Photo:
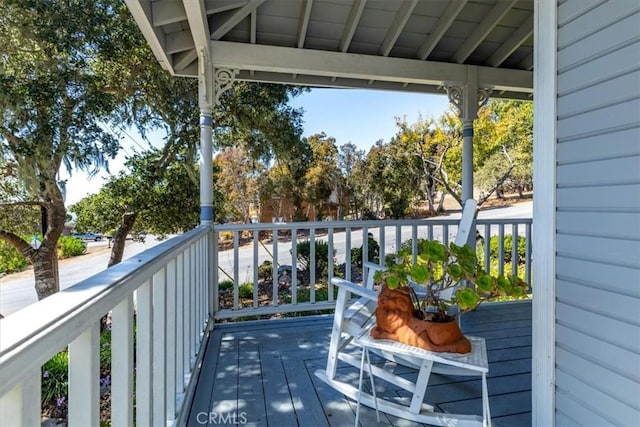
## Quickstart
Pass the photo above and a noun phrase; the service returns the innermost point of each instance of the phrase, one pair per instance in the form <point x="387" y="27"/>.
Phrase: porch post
<point x="205" y="101"/>
<point x="468" y="99"/>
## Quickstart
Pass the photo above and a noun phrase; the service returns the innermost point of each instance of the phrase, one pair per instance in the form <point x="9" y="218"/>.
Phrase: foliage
<point x="238" y="180"/>
<point x="508" y="248"/>
<point x="58" y="61"/>
<point x="55" y="378"/>
<point x="245" y="290"/>
<point x="69" y="246"/>
<point x="225" y="284"/>
<point x="373" y="251"/>
<point x="323" y="177"/>
<point x="11" y="261"/>
<point x="440" y="268"/>
<point x="265" y="271"/>
<point x="322" y="254"/>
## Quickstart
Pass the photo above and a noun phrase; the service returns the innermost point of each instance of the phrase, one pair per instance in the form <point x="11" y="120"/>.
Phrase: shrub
<point x="246" y="290"/>
<point x="265" y="271"/>
<point x="69" y="246"/>
<point x="373" y="252"/>
<point x="225" y="284"/>
<point x="304" y="254"/>
<point x="522" y="246"/>
<point x="11" y="261"/>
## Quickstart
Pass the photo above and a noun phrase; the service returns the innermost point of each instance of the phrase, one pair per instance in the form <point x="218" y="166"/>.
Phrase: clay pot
<point x="395" y="320"/>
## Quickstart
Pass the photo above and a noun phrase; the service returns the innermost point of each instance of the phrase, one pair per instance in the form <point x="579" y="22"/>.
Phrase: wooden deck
<point x="262" y="374"/>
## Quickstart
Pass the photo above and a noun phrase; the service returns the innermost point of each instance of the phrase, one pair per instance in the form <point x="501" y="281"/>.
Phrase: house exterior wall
<point x="597" y="329"/>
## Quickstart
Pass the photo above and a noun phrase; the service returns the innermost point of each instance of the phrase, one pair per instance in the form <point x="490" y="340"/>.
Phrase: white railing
<point x="272" y="242"/>
<point x="163" y="302"/>
<point x="154" y="351"/>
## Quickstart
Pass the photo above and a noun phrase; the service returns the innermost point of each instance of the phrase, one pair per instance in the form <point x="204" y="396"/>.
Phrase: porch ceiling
<point x="402" y="45"/>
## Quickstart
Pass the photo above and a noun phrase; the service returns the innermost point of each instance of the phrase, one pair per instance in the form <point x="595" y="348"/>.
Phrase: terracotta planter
<point x="395" y="321"/>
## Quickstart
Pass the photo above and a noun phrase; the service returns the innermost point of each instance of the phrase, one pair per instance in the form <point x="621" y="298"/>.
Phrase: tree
<point x="349" y="159"/>
<point x="54" y="107"/>
<point x="505" y="146"/>
<point x="323" y="176"/>
<point x="238" y="180"/>
<point x="136" y="200"/>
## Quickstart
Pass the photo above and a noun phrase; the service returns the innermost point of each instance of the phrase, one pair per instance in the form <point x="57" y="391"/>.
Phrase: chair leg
<point x="373" y="386"/>
<point x="362" y="356"/>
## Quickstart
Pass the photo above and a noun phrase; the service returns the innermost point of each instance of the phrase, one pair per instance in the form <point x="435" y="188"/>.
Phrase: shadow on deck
<point x="261" y="374"/>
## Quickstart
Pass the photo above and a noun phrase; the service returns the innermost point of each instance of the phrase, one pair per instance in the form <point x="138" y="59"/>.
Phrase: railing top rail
<point x="359" y="224"/>
<point x="32" y="335"/>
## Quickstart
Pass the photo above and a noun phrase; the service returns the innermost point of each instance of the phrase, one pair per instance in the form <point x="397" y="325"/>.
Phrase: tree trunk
<point x="120" y="238"/>
<point x="45" y="269"/>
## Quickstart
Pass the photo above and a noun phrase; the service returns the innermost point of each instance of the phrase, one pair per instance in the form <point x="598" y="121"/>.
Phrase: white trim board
<point x="544" y="213"/>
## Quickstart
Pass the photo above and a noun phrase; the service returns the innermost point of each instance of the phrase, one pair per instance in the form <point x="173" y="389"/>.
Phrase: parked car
<point x="88" y="236"/>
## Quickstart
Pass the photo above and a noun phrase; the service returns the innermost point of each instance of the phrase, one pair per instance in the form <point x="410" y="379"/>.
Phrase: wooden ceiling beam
<point x="304" y="23"/>
<point x="483" y="29"/>
<point x="235" y="19"/>
<point x="515" y="40"/>
<point x="397" y="26"/>
<point x="276" y="59"/>
<point x="352" y="24"/>
<point x="442" y="25"/>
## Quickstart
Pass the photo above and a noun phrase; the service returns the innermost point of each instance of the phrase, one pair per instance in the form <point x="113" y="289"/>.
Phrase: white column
<point x="206" y="166"/>
<point x="469" y="114"/>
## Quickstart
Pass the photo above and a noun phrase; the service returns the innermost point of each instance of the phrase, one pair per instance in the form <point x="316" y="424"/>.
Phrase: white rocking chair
<point x="352" y="322"/>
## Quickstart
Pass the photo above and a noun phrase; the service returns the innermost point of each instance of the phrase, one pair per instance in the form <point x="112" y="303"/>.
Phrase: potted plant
<point x="450" y="282"/>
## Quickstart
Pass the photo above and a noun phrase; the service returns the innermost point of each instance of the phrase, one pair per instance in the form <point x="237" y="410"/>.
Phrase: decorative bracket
<point x="224" y="79"/>
<point x="456" y="96"/>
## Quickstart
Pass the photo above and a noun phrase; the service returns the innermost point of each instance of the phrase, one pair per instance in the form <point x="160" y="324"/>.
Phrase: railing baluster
<point x="171" y="342"/>
<point x="214" y="273"/>
<point x="347" y="253"/>
<point x="487" y="248"/>
<point x="312" y="265"/>
<point x="84" y="378"/>
<point x="236" y="271"/>
<point x="21" y="405"/>
<point x="180" y="347"/>
<point x="514" y="249"/>
<point x="159" y="348"/>
<point x="193" y="308"/>
<point x="445" y="234"/>
<point x="122" y="363"/>
<point x="274" y="279"/>
<point x="414" y="243"/>
<point x="256" y="267"/>
<point x="382" y="244"/>
<point x="144" y="361"/>
<point x="330" y="269"/>
<point x="365" y="244"/>
<point x="294" y="266"/>
<point x="501" y="249"/>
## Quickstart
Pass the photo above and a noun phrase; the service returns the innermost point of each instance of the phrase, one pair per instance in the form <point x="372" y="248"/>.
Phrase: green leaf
<point x="420" y="273"/>
<point x="484" y="283"/>
<point x="466" y="298"/>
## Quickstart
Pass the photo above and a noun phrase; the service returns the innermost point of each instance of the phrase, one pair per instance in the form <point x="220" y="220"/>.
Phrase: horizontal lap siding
<point x="598" y="213"/>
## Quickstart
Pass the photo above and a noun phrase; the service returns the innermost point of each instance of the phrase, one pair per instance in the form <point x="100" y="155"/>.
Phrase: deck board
<point x="261" y="374"/>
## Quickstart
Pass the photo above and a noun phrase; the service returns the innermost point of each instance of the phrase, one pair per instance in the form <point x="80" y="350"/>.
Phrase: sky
<point x="349" y="115"/>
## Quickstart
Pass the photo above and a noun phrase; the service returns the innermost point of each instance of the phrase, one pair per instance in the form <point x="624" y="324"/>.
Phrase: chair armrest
<point x="345" y="285"/>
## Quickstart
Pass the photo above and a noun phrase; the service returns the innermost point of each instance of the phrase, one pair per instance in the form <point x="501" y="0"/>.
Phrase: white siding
<point x="598" y="213"/>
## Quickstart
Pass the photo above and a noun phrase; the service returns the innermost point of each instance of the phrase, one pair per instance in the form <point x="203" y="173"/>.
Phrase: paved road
<point x="17" y="290"/>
